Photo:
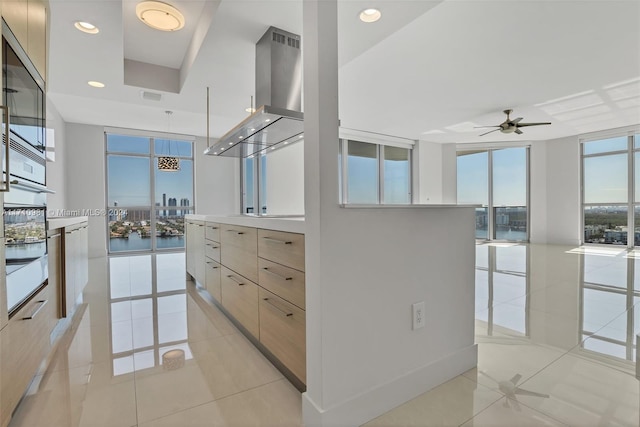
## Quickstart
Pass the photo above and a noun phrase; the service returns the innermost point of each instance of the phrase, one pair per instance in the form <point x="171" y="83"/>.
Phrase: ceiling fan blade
<point x="516" y="121"/>
<point x="495" y="130"/>
<point x="520" y="125"/>
<point x="478" y="127"/>
<point x="518" y="131"/>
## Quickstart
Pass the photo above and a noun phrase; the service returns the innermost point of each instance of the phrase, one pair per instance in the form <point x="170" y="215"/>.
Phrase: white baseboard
<point x="375" y="402"/>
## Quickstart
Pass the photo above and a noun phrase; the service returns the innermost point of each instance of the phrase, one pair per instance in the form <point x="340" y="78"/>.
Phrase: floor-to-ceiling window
<point x="145" y="204"/>
<point x="497" y="179"/>
<point x="611" y="190"/>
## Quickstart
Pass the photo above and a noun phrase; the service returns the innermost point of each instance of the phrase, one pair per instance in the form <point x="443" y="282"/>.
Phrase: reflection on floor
<point x="555" y="327"/>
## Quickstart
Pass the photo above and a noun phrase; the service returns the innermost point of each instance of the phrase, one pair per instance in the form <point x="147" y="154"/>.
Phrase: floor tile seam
<point x="493" y="402"/>
<point x="521" y="404"/>
<point x="207" y="402"/>
<point x="574" y="351"/>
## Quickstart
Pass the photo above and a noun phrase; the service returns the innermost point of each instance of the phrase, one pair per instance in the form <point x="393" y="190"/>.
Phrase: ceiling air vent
<point x="150" y="96"/>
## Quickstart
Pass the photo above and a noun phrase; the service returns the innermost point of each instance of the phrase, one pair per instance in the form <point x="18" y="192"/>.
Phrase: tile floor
<point x="555" y="326"/>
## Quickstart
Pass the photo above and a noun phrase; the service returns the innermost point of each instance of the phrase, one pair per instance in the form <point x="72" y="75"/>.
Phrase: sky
<point x="129" y="176"/>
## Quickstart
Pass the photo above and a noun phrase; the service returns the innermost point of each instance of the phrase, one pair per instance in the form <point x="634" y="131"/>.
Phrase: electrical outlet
<point x="418" y="315"/>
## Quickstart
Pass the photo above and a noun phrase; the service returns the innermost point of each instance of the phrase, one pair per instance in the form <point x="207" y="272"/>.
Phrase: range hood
<point x="278" y="121"/>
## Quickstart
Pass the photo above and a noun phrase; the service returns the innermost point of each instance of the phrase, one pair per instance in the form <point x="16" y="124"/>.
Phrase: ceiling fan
<point x="511" y="126"/>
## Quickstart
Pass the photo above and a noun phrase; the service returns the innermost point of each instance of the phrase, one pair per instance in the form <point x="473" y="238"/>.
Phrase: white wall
<point x="563" y="191"/>
<point x="285" y="180"/>
<point x="85" y="177"/>
<point x="217" y="189"/>
<point x="429" y="166"/>
<point x="365" y="267"/>
<point x="56" y="175"/>
<point x="538" y="192"/>
<point x="449" y="174"/>
<point x="217" y="185"/>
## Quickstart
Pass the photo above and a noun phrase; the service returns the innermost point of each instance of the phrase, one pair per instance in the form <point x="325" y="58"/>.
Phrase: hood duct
<point x="278" y="121"/>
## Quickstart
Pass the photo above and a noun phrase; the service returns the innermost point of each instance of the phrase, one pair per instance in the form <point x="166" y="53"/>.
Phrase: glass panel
<point x="248" y="182"/>
<point x="397" y="177"/>
<point x="263" y="184"/>
<point x="605" y="179"/>
<point x="362" y="170"/>
<point x="636" y="232"/>
<point x="473" y="178"/>
<point x="605" y="145"/>
<point x="605" y="224"/>
<point x="128" y="181"/>
<point x="482" y="223"/>
<point x="129" y="276"/>
<point x="170" y="228"/>
<point x="636" y="177"/>
<point x="127" y="144"/>
<point x="166" y="147"/>
<point x="636" y="141"/>
<point x="130" y="231"/>
<point x="510" y="177"/>
<point x="174" y="189"/>
<point x="511" y="223"/>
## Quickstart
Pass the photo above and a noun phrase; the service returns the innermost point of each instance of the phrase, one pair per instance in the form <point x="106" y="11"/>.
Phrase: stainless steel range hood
<point x="279" y="120"/>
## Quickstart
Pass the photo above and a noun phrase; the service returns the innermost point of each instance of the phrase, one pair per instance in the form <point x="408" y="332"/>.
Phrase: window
<point x="145" y="205"/>
<point x="611" y="190"/>
<point x="497" y="179"/>
<point x="375" y="173"/>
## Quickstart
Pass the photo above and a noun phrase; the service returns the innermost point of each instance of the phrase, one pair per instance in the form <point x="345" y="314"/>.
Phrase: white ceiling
<point x="427" y="70"/>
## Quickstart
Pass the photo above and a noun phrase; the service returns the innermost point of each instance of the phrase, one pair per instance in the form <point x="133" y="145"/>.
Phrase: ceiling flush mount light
<point x="160" y="16"/>
<point x="168" y="163"/>
<point x="94" y="83"/>
<point x="370" y="15"/>
<point x="86" y="27"/>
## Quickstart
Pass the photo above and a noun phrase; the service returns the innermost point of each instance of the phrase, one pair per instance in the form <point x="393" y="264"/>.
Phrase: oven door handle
<point x="7" y="139"/>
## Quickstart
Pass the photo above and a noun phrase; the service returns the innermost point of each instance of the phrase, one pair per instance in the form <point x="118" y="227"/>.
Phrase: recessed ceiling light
<point x="267" y="120"/>
<point x="240" y="137"/>
<point x="250" y="110"/>
<point x="93" y="83"/>
<point x="231" y="143"/>
<point x="300" y="136"/>
<point x="252" y="130"/>
<point x="86" y="27"/>
<point x="221" y="148"/>
<point x="370" y="15"/>
<point x="160" y="16"/>
<point x="286" y="142"/>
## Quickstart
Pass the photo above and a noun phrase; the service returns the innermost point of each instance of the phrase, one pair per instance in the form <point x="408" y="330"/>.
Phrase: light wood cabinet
<point x="212" y="279"/>
<point x="239" y="250"/>
<point x="27" y="20"/>
<point x="212" y="231"/>
<point x="212" y="250"/>
<point x="24" y="343"/>
<point x="282" y="247"/>
<point x="282" y="332"/>
<point x="240" y="299"/>
<point x="283" y="281"/>
<point x="76" y="264"/>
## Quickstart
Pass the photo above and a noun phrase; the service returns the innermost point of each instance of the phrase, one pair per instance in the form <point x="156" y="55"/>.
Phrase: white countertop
<point x="65" y="221"/>
<point x="290" y="224"/>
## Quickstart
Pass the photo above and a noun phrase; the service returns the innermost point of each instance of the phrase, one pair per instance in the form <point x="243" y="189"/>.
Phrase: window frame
<point x="631" y="204"/>
<point x="490" y="206"/>
<point x="153" y="159"/>
<point x="344" y="169"/>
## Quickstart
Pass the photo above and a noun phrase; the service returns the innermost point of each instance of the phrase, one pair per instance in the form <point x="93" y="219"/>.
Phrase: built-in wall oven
<point x="24" y="174"/>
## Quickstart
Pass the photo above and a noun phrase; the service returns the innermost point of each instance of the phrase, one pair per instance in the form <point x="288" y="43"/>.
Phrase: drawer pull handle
<point x="276" y="274"/>
<point x="236" y="231"/>
<point x="282" y="242"/>
<point x="210" y="262"/>
<point x="235" y="280"/>
<point x="33" y="315"/>
<point x="199" y="225"/>
<point x="286" y="313"/>
<point x="214" y="247"/>
<point x="213" y="228"/>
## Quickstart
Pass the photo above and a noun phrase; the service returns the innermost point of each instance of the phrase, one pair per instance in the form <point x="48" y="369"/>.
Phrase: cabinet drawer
<point x="212" y="231"/>
<point x="25" y="343"/>
<point x="240" y="261"/>
<point x="282" y="247"/>
<point x="282" y="332"/>
<point x="212" y="278"/>
<point x="212" y="250"/>
<point x="241" y="237"/>
<point x="285" y="282"/>
<point x="240" y="298"/>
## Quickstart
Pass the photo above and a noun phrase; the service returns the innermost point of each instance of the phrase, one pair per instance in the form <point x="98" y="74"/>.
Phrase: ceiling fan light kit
<point x="511" y="126"/>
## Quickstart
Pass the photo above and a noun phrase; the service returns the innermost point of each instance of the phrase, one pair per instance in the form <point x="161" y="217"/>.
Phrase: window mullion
<point x="490" y="213"/>
<point x="380" y="174"/>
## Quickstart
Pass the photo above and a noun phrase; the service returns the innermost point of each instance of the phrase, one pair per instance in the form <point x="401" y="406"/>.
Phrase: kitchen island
<point x="253" y="269"/>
